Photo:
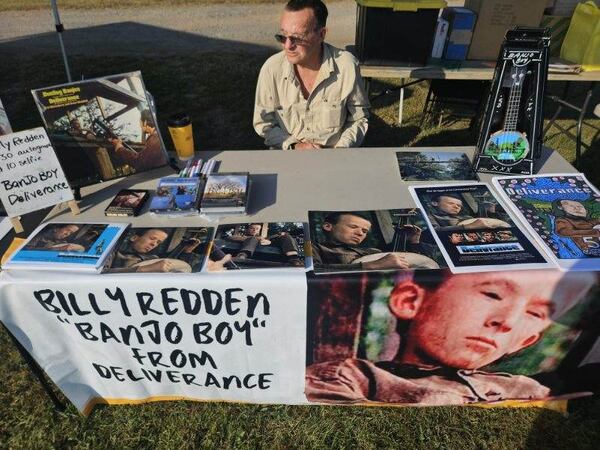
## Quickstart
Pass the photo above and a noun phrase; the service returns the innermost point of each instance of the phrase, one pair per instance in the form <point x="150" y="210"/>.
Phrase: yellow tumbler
<point x="180" y="127"/>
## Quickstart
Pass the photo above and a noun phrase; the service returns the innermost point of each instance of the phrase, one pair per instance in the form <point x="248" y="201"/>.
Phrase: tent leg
<point x="59" y="29"/>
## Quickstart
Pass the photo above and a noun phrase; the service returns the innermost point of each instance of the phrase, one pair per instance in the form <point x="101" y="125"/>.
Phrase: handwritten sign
<point x="220" y="337"/>
<point x="31" y="176"/>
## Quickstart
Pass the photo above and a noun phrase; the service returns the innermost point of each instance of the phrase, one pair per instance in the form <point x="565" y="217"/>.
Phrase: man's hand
<point x="218" y="266"/>
<point x="191" y="246"/>
<point x="413" y="233"/>
<point x="307" y="146"/>
<point x="264" y="241"/>
<point x="390" y="261"/>
<point x="164" y="265"/>
<point x="482" y="222"/>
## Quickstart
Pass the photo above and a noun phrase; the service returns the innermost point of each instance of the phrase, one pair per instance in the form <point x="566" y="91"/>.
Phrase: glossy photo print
<point x="356" y="241"/>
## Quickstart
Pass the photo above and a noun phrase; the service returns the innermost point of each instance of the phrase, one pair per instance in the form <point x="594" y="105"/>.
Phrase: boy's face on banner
<point x="472" y="320"/>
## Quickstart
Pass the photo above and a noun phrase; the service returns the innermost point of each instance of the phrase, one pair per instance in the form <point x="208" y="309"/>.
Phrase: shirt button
<point x="308" y="128"/>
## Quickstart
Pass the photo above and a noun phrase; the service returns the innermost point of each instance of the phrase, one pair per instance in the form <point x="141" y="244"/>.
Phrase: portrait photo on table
<point x="355" y="241"/>
<point x="475" y="230"/>
<point x="177" y="249"/>
<point x="258" y="245"/>
<point x="437" y="338"/>
<point x="101" y="128"/>
<point x="72" y="237"/>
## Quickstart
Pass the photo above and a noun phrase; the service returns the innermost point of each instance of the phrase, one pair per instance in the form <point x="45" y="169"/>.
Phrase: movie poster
<point x="356" y="241"/>
<point x="562" y="212"/>
<point x="436" y="338"/>
<point x="102" y="128"/>
<point x="474" y="230"/>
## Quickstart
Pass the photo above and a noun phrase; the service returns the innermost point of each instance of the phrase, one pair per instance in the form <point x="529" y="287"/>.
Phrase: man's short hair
<point x="146" y="116"/>
<point x="334" y="217"/>
<point x="432" y="279"/>
<point x="559" y="211"/>
<point x="318" y="7"/>
<point x="436" y="197"/>
<point x="143" y="231"/>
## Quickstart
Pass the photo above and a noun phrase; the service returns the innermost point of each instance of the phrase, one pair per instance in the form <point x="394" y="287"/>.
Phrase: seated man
<point x="445" y="214"/>
<point x="251" y="239"/>
<point x="151" y="156"/>
<point x="140" y="248"/>
<point x="57" y="237"/>
<point x="310" y="95"/>
<point x="450" y="327"/>
<point x="572" y="221"/>
<point x="345" y="232"/>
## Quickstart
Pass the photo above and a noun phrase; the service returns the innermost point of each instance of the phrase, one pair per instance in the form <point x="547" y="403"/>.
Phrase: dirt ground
<point x="155" y="30"/>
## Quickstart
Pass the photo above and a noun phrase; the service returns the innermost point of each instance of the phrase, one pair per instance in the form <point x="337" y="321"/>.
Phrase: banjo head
<point x="415" y="260"/>
<point x="179" y="266"/>
<point x="494" y="223"/>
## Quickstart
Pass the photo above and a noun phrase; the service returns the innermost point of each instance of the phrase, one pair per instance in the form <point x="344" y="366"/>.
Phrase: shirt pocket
<point x="286" y="118"/>
<point x="332" y="114"/>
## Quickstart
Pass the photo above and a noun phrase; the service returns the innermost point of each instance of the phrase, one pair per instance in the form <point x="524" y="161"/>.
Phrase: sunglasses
<point x="281" y="38"/>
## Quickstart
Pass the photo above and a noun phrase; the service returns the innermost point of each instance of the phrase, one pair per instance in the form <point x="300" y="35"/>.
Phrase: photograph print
<point x="258" y="245"/>
<point x="102" y="128"/>
<point x="355" y="241"/>
<point x="161" y="250"/>
<point x="423" y="166"/>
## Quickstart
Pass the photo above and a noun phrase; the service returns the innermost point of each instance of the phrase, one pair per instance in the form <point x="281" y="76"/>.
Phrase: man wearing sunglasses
<point x="310" y="95"/>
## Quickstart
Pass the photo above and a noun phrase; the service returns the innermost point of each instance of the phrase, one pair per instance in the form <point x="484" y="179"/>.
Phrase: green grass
<point x="222" y="110"/>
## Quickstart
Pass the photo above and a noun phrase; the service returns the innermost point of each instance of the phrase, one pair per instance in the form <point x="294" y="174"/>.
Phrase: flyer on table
<point x="474" y="230"/>
<point x="562" y="212"/>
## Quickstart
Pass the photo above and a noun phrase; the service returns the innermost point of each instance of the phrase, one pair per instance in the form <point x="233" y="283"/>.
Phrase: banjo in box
<point x="511" y="131"/>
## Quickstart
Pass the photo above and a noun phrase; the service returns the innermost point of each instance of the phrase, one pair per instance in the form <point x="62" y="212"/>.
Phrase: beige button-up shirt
<point x="334" y="115"/>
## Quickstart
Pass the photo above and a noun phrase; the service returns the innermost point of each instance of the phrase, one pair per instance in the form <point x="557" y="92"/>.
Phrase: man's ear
<point x="323" y="33"/>
<point x="531" y="340"/>
<point x="406" y="299"/>
<point x="327" y="226"/>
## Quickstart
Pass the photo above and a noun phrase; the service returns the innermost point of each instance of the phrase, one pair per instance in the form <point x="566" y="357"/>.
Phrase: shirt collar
<point x="326" y="69"/>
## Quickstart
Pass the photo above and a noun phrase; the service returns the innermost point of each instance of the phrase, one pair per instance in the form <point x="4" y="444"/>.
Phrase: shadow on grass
<point x="444" y="137"/>
<point x="213" y="80"/>
<point x="382" y="134"/>
<point x="386" y="93"/>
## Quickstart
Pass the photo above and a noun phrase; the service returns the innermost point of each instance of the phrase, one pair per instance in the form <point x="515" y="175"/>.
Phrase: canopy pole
<point x="59" y="29"/>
